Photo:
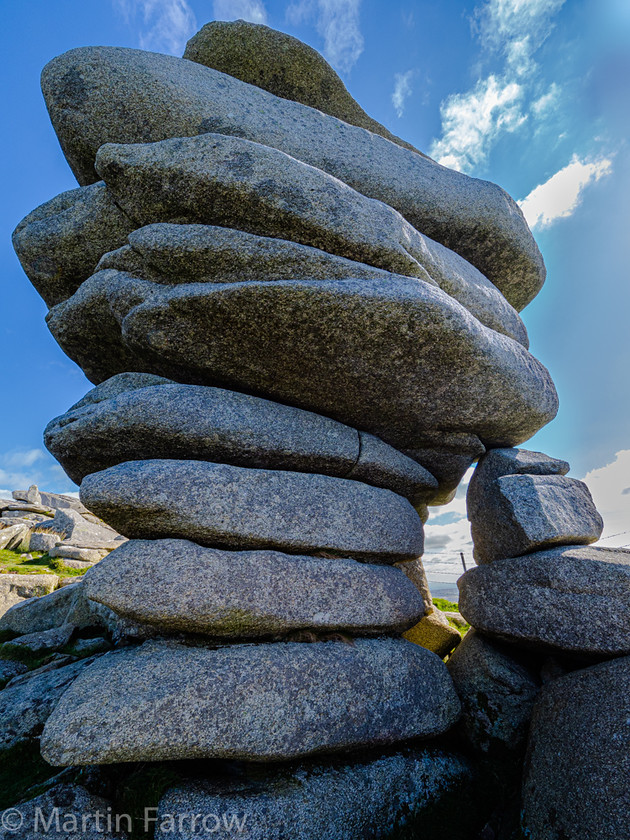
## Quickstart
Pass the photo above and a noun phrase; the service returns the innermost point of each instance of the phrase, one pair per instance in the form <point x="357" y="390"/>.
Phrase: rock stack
<point x="302" y="332"/>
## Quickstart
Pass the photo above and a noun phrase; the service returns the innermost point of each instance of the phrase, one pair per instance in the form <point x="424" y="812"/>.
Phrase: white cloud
<point x="543" y="105"/>
<point x="252" y="10"/>
<point x="517" y="27"/>
<point x="560" y="196"/>
<point x="472" y="122"/>
<point x="164" y="25"/>
<point x="402" y="91"/>
<point x="610" y="488"/>
<point x="337" y="22"/>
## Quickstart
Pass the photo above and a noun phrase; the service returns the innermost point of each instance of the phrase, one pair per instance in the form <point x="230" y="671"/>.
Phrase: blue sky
<point x="532" y="94"/>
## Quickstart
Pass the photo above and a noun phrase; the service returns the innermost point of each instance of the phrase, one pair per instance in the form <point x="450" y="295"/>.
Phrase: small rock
<point x="36" y="644"/>
<point x="434" y="633"/>
<point x="13" y="536"/>
<point x="535" y="512"/>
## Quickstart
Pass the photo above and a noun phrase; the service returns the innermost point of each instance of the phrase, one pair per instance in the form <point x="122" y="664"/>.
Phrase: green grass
<point x="446" y="606"/>
<point x="12" y="564"/>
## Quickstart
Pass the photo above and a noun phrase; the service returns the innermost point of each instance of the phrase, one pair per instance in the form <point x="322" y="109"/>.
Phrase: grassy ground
<point x="445" y="605"/>
<point x="41" y="564"/>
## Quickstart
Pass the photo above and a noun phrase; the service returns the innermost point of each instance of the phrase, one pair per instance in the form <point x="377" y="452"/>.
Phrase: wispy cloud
<point x="402" y="91"/>
<point x="251" y="10"/>
<point x="544" y="103"/>
<point x="21" y="468"/>
<point x="561" y="195"/>
<point x="163" y="25"/>
<point x="337" y="22"/>
<point x="473" y="121"/>
<point x="610" y="488"/>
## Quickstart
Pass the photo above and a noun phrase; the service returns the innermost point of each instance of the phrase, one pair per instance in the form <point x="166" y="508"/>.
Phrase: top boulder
<point x="98" y="95"/>
<point x="283" y="65"/>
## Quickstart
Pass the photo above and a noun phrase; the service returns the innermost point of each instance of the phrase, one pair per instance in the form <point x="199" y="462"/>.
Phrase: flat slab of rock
<point x="235" y="507"/>
<point x="251" y="702"/>
<point x="497" y="692"/>
<point x="570" y="599"/>
<point x="578" y="764"/>
<point x="447" y="370"/>
<point x="97" y="95"/>
<point x="422" y="790"/>
<point x="69" y="526"/>
<point x="174" y="421"/>
<point x="532" y="512"/>
<point x="234" y="183"/>
<point x="281" y="64"/>
<point x="179" y="586"/>
<point x="38" y="642"/>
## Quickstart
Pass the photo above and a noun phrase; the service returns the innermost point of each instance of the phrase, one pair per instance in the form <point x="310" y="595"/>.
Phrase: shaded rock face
<point x="576" y="779"/>
<point x="178" y="586"/>
<point x="419" y="790"/>
<point x="565" y="599"/>
<point x="167" y="97"/>
<point x="254" y="702"/>
<point x="65" y="810"/>
<point x="282" y="65"/>
<point x="497" y="693"/>
<point x="236" y="508"/>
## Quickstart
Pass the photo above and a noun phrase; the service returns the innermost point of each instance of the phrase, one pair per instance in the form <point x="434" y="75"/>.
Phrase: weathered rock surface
<point x="235" y="507"/>
<point x="578" y="764"/>
<point x="66" y="605"/>
<point x="13" y="536"/>
<point x="167" y="97"/>
<point x="164" y="701"/>
<point x="38" y="643"/>
<point x="176" y="585"/>
<point x="60" y="243"/>
<point x="571" y="599"/>
<point x="24" y="708"/>
<point x="32" y="495"/>
<point x="335" y="355"/>
<point x="434" y="633"/>
<point x="235" y="183"/>
<point x="174" y="421"/>
<point x="497" y="693"/>
<point x="10" y="668"/>
<point x="532" y="512"/>
<point x="70" y="525"/>
<point x="283" y="65"/>
<point x="17" y="588"/>
<point x="424" y="791"/>
<point x="482" y="488"/>
<point x="65" y="810"/>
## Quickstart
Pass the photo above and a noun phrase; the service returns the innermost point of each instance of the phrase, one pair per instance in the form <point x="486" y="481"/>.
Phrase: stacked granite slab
<point x="302" y="332"/>
<point x="547" y="606"/>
